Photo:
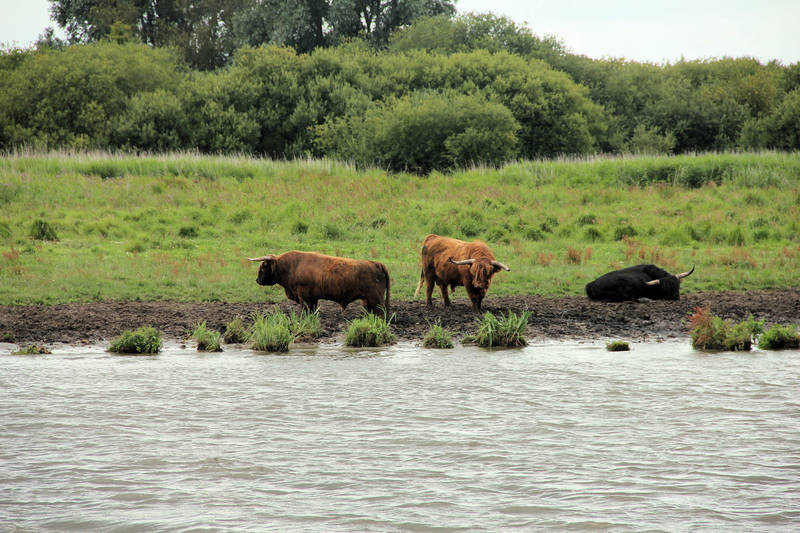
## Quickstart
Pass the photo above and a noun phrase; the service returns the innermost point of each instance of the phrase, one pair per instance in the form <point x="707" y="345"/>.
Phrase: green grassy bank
<point x="181" y="227"/>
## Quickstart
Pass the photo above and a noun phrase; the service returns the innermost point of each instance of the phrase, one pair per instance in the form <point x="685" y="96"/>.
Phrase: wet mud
<point x="573" y="318"/>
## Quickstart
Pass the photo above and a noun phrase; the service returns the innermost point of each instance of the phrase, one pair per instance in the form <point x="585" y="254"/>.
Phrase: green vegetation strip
<point x="86" y="227"/>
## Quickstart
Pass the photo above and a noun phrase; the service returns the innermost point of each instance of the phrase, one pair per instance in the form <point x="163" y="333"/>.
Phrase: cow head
<point x="481" y="269"/>
<point x="668" y="288"/>
<point x="266" y="272"/>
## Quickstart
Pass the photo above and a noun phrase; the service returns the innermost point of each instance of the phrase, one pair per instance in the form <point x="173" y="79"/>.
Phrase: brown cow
<point x="308" y="277"/>
<point x="452" y="262"/>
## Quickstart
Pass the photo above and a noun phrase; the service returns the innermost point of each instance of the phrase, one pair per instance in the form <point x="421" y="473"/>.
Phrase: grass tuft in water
<point x="437" y="337"/>
<point x="305" y="325"/>
<point x="235" y="332"/>
<point x="207" y="340"/>
<point x="710" y="332"/>
<point x="144" y="340"/>
<point x="508" y="331"/>
<point x="270" y="332"/>
<point x="780" y="338"/>
<point x="369" y="330"/>
<point x="32" y="350"/>
<point x="618" y="346"/>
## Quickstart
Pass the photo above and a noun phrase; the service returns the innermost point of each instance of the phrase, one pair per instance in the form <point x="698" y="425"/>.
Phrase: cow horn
<point x="264" y="258"/>
<point x="684" y="274"/>
<point x="498" y="264"/>
<point x="464" y="262"/>
<point x="654" y="282"/>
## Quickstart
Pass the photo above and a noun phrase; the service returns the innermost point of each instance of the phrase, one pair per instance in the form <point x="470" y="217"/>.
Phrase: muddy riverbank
<point x="553" y="318"/>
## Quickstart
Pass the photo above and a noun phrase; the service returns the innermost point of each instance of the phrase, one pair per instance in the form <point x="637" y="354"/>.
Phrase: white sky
<point x="640" y="30"/>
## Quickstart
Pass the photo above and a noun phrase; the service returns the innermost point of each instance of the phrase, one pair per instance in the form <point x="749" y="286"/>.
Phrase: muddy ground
<point x="553" y="318"/>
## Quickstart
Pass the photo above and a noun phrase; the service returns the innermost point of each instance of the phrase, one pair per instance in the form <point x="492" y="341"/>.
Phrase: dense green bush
<point x="779" y="129"/>
<point x="68" y="98"/>
<point x="480" y="88"/>
<point x="424" y="131"/>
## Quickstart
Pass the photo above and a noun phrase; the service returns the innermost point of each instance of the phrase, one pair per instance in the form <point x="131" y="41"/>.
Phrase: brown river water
<point x="556" y="436"/>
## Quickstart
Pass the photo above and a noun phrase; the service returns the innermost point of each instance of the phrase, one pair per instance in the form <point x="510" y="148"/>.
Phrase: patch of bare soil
<point x="552" y="319"/>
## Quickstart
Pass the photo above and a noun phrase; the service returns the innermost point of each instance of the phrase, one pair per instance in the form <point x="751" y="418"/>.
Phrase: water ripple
<point x="553" y="437"/>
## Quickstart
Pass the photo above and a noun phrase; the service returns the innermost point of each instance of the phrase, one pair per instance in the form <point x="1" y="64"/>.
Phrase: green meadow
<point x="85" y="227"/>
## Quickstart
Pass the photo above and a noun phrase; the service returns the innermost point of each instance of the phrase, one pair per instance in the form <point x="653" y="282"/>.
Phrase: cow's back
<point x="436" y="254"/>
<point x="340" y="279"/>
<point x="624" y="284"/>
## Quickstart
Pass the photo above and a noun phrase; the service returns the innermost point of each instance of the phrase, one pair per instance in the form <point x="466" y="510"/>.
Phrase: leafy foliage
<point x="201" y="30"/>
<point x="710" y="332"/>
<point x="309" y="24"/>
<point x="424" y="131"/>
<point x="780" y="337"/>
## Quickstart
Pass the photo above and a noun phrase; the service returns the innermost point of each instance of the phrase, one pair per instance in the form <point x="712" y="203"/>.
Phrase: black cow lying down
<point x="632" y="283"/>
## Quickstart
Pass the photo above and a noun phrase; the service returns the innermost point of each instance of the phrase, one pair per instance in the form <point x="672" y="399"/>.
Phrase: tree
<point x="201" y="29"/>
<point x="308" y="24"/>
<point x="474" y="31"/>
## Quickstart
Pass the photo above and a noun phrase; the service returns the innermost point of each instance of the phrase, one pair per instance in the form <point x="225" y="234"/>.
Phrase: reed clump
<point x="207" y="340"/>
<point x="305" y="325"/>
<point x="506" y="331"/>
<point x="618" y="346"/>
<point x="270" y="332"/>
<point x="369" y="330"/>
<point x="144" y="340"/>
<point x="437" y="337"/>
<point x="712" y="333"/>
<point x="235" y="331"/>
<point x="780" y="337"/>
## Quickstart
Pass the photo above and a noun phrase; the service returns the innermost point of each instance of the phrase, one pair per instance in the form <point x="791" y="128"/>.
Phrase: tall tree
<point x="307" y="24"/>
<point x="201" y="29"/>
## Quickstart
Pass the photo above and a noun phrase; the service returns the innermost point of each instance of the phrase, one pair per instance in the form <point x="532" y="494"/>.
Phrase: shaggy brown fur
<point x="439" y="257"/>
<point x="308" y="277"/>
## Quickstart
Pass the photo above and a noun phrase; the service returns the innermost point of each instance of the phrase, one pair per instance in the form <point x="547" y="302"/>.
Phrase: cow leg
<point x="476" y="299"/>
<point x="445" y="296"/>
<point x="429" y="291"/>
<point x="292" y="296"/>
<point x="310" y="305"/>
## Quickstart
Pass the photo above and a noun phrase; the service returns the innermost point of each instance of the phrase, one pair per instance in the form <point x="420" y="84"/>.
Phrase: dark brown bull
<point x="308" y="277"/>
<point x="456" y="263"/>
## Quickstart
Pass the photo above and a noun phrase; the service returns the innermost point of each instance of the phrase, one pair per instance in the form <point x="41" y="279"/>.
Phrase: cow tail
<point x="419" y="285"/>
<point x="386" y="302"/>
